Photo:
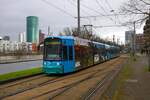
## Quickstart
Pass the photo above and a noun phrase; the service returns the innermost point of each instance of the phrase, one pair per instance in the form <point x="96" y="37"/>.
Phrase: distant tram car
<point x="65" y="54"/>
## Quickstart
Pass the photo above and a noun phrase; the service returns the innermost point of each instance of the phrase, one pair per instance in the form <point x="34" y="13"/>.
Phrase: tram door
<point x="68" y="53"/>
<point x="70" y="57"/>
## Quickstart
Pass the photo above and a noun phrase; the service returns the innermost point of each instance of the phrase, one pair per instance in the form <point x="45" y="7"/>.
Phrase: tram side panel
<point x="97" y="53"/>
<point x="86" y="56"/>
<point x="83" y="56"/>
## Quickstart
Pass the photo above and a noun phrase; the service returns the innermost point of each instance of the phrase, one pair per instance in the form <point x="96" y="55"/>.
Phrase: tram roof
<point x="61" y="37"/>
<point x="98" y="43"/>
<point x="85" y="40"/>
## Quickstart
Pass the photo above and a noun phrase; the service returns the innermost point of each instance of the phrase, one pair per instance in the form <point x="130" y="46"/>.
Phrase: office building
<point x="129" y="37"/>
<point x="41" y="37"/>
<point x="32" y="29"/>
<point x="6" y="38"/>
<point x="22" y="37"/>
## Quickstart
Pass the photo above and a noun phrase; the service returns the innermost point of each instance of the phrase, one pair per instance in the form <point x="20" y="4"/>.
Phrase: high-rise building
<point x="140" y="40"/>
<point x="1" y="38"/>
<point x="22" y="37"/>
<point x="32" y="29"/>
<point x="6" y="38"/>
<point x="128" y="37"/>
<point x="41" y="36"/>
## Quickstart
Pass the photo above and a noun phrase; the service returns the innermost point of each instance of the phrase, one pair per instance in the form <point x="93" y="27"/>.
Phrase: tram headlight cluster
<point x="57" y="63"/>
<point x="44" y="63"/>
<point x="50" y="63"/>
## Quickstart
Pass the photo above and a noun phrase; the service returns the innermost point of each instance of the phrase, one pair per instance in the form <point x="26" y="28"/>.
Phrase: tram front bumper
<point x="53" y="68"/>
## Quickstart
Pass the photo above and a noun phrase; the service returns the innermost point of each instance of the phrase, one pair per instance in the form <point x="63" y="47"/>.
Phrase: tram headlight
<point x="58" y="63"/>
<point x="44" y="63"/>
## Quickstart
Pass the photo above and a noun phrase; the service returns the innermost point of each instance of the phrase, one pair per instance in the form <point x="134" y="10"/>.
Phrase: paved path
<point x="12" y="67"/>
<point x="138" y="86"/>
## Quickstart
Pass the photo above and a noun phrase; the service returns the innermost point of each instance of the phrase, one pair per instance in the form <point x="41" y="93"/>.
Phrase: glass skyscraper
<point x="32" y="29"/>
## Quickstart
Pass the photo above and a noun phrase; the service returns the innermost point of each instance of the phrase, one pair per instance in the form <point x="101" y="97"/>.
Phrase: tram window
<point x="64" y="52"/>
<point x="70" y="53"/>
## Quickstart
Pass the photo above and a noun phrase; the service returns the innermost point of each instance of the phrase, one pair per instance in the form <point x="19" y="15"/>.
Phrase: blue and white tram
<point x="65" y="54"/>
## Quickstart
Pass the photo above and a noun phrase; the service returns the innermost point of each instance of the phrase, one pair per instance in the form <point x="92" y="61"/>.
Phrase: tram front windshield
<point x="52" y="49"/>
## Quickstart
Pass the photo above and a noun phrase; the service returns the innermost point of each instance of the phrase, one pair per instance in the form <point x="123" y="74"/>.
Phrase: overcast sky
<point x="13" y="15"/>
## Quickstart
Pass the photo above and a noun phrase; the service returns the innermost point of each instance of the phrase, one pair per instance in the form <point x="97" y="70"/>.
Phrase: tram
<point x="65" y="54"/>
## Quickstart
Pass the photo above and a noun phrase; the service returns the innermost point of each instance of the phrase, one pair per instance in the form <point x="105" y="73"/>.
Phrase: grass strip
<point x="124" y="75"/>
<point x="146" y="69"/>
<point x="19" y="74"/>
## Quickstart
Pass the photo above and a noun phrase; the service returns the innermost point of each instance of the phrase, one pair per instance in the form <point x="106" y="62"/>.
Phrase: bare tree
<point x="137" y="8"/>
<point x="60" y="34"/>
<point x="139" y="11"/>
<point x="83" y="34"/>
<point x="67" y="31"/>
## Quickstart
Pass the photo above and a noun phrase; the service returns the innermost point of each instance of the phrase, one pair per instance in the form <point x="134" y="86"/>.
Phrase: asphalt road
<point x="12" y="67"/>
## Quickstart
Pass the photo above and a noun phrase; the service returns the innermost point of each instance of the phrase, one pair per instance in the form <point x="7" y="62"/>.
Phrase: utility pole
<point x="78" y="9"/>
<point x="48" y="30"/>
<point x="148" y="44"/>
<point x="89" y="29"/>
<point x="113" y="39"/>
<point x="149" y="47"/>
<point x="133" y="39"/>
<point x="118" y="40"/>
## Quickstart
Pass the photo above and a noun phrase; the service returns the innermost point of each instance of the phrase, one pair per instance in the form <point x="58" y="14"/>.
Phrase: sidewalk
<point x="133" y="82"/>
<point x="137" y="87"/>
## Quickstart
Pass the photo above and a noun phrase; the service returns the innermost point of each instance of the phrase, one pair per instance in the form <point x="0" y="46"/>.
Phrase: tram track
<point x="96" y="91"/>
<point x="49" y="87"/>
<point x="22" y="86"/>
<point x="99" y="86"/>
<point x="61" y="79"/>
<point x="3" y="86"/>
<point x="64" y="89"/>
<point x="61" y="90"/>
<point x="100" y="76"/>
<point x="67" y="86"/>
<point x="43" y="83"/>
<point x="20" y="81"/>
